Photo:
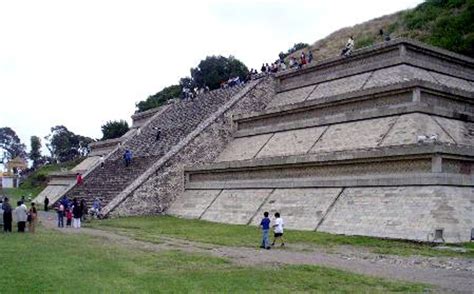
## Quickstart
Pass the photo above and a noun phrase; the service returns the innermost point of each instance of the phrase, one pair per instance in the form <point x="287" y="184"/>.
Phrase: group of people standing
<point x="74" y="211"/>
<point x="280" y="65"/>
<point x="22" y="214"/>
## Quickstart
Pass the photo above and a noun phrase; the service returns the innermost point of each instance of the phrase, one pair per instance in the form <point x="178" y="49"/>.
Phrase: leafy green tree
<point x="187" y="82"/>
<point x="296" y="47"/>
<point x="11" y="144"/>
<point x="210" y="72"/>
<point x="35" y="153"/>
<point x="159" y="98"/>
<point x="64" y="145"/>
<point x="114" y="129"/>
<point x="215" y="69"/>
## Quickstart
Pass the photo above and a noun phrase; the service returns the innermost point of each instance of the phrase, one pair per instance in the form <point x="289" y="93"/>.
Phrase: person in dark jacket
<point x="46" y="203"/>
<point x="127" y="157"/>
<point x="76" y="214"/>
<point x="83" y="209"/>
<point x="7" y="216"/>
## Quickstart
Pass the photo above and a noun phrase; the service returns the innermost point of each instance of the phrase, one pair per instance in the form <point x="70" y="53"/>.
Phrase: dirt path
<point x="449" y="274"/>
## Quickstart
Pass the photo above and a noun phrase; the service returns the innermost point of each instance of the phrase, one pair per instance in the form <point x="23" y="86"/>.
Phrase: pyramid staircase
<point x="176" y="121"/>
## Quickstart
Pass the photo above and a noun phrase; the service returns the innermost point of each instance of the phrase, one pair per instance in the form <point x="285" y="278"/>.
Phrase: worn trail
<point x="457" y="278"/>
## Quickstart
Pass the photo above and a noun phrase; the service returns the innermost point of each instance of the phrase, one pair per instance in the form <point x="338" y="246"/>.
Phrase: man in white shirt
<point x="21" y="213"/>
<point x="278" y="230"/>
<point x="347" y="50"/>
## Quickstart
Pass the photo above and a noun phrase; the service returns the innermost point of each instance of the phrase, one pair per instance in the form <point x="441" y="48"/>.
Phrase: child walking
<point x="265" y="225"/>
<point x="278" y="230"/>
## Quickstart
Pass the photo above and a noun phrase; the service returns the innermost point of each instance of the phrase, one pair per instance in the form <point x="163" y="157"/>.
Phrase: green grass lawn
<point x="151" y="228"/>
<point x="14" y="194"/>
<point x="51" y="261"/>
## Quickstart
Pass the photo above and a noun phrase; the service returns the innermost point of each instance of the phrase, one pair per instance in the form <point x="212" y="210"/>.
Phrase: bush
<point x="159" y="98"/>
<point x="444" y="23"/>
<point x="364" y="42"/>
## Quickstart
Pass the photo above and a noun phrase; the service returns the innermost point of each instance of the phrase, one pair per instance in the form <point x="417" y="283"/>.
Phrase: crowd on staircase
<point x="149" y="143"/>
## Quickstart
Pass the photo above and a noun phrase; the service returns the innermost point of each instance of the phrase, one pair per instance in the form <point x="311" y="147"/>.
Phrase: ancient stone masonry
<point x="175" y="122"/>
<point x="161" y="184"/>
<point x="379" y="144"/>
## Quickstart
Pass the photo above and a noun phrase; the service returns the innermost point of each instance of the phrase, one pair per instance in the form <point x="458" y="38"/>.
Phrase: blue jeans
<point x="60" y="219"/>
<point x="265" y="238"/>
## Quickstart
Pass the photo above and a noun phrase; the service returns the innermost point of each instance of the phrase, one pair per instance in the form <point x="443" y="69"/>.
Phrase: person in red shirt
<point x="68" y="218"/>
<point x="79" y="180"/>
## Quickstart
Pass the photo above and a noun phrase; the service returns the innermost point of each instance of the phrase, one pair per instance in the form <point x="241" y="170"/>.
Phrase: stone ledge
<point x="397" y="51"/>
<point x="362" y="155"/>
<point x="381" y="46"/>
<point x="391" y="110"/>
<point x="417" y="179"/>
<point x="424" y="86"/>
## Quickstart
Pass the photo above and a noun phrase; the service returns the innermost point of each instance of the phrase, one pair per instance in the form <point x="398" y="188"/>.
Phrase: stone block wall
<point x="160" y="189"/>
<point x="403" y="213"/>
<point x="409" y="212"/>
<point x="363" y="134"/>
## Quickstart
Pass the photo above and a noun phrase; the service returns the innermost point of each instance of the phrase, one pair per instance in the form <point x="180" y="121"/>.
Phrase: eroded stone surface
<point x="244" y="148"/>
<point x="291" y="142"/>
<point x="339" y="86"/>
<point x="290" y="97"/>
<point x="453" y="82"/>
<point x="462" y="132"/>
<point x="409" y="126"/>
<point x="192" y="203"/>
<point x="397" y="74"/>
<point x="301" y="209"/>
<point x="236" y="206"/>
<point x="403" y="212"/>
<point x="354" y="135"/>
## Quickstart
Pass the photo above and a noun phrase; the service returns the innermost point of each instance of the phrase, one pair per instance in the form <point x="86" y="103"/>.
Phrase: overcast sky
<point x="82" y="63"/>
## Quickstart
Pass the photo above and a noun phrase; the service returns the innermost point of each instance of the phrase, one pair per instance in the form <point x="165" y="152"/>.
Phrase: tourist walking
<point x="278" y="230"/>
<point x="265" y="226"/>
<point x="32" y="218"/>
<point x="21" y="214"/>
<point x="102" y="161"/>
<point x="158" y="134"/>
<point x="46" y="203"/>
<point x="127" y="157"/>
<point x="60" y="212"/>
<point x="76" y="214"/>
<point x="7" y="215"/>
<point x="310" y="56"/>
<point x="79" y="179"/>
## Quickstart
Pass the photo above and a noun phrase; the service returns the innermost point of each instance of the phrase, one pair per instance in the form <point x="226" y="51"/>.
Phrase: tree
<point x="114" y="129"/>
<point x="159" y="98"/>
<point x="296" y="47"/>
<point x="11" y="145"/>
<point x="64" y="145"/>
<point x="187" y="82"/>
<point x="35" y="153"/>
<point x="215" y="69"/>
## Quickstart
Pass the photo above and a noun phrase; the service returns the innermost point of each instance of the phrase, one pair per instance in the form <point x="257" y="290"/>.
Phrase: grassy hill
<point x="448" y="24"/>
